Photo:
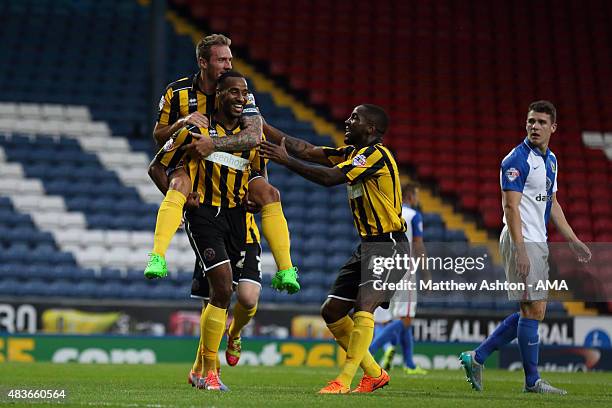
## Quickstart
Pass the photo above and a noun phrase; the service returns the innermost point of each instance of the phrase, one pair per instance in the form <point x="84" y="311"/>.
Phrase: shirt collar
<point x="534" y="149"/>
<point x="195" y="84"/>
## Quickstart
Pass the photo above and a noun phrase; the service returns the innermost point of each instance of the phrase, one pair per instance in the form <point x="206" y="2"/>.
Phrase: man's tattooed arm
<point x="248" y="138"/>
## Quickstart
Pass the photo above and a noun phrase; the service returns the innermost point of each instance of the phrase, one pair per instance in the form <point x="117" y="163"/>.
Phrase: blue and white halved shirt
<point x="526" y="170"/>
<point x="414" y="222"/>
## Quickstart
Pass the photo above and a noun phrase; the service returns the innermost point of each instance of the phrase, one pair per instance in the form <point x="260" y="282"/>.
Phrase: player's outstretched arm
<point x="297" y="147"/>
<point x="321" y="175"/>
<point x="581" y="251"/>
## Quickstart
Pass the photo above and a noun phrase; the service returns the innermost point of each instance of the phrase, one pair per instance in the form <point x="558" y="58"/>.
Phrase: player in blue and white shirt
<point x="397" y="319"/>
<point x="528" y="180"/>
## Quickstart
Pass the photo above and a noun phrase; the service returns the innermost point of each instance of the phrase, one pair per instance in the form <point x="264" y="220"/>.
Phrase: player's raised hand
<point x="581" y="251"/>
<point x="200" y="148"/>
<point x="197" y="119"/>
<point x="193" y="200"/>
<point x="276" y="153"/>
<point x="250" y="206"/>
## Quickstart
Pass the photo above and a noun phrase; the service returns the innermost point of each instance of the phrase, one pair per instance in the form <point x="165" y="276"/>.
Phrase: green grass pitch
<point x="165" y="385"/>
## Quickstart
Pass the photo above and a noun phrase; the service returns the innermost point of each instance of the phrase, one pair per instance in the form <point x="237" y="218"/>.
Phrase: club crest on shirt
<point x="553" y="166"/>
<point x="359" y="161"/>
<point x="512" y="174"/>
<point x="169" y="145"/>
<point x="161" y="103"/>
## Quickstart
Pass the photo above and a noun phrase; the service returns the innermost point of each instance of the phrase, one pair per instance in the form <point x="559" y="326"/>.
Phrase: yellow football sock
<point x="274" y="227"/>
<point x="241" y="317"/>
<point x="197" y="365"/>
<point x="214" y="327"/>
<point x="168" y="220"/>
<point x="341" y="330"/>
<point x="360" y="340"/>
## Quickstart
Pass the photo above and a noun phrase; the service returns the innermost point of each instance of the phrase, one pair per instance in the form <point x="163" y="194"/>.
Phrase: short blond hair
<point x="203" y="49"/>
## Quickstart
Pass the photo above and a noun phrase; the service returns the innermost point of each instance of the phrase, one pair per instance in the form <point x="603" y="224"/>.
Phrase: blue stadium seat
<point x="455" y="235"/>
<point x="10" y="287"/>
<point x="109" y="274"/>
<point x="431" y="220"/>
<point x="12" y="271"/>
<point x="110" y="290"/>
<point x="433" y="233"/>
<point x="134" y="275"/>
<point x="314" y="262"/>
<point x="16" y="253"/>
<point x="86" y="289"/>
<point x="61" y="288"/>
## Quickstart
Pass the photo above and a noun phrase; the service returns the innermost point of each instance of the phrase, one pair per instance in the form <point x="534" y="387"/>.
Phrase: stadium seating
<point x="448" y="120"/>
<point x="76" y="187"/>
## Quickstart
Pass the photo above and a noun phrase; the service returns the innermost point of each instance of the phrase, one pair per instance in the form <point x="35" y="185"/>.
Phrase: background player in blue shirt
<point x="403" y="305"/>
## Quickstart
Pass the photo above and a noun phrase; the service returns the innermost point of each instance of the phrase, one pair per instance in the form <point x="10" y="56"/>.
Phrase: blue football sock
<point x="385" y="335"/>
<point x="407" y="346"/>
<point x="504" y="334"/>
<point x="529" y="344"/>
<point x="377" y="329"/>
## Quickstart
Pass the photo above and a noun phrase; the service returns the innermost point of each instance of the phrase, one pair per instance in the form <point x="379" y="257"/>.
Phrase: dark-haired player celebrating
<point x="190" y="101"/>
<point x="217" y="228"/>
<point x="375" y="197"/>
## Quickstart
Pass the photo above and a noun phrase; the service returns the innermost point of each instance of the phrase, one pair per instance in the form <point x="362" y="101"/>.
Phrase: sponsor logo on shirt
<point x="543" y="197"/>
<point x="512" y="174"/>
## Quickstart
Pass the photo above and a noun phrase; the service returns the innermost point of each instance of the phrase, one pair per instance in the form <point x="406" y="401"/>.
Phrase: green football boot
<point x="156" y="268"/>
<point x="287" y="279"/>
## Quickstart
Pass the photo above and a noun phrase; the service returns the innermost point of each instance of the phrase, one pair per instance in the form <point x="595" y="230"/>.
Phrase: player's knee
<point x="181" y="183"/>
<point x="249" y="299"/>
<point x="270" y="194"/>
<point x="248" y="302"/>
<point x="330" y="312"/>
<point x="533" y="310"/>
<point x="221" y="296"/>
<point x="366" y="306"/>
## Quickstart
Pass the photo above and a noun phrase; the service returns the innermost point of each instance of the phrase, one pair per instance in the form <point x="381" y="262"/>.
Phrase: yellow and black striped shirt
<point x="222" y="178"/>
<point x="374" y="189"/>
<point x="183" y="97"/>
